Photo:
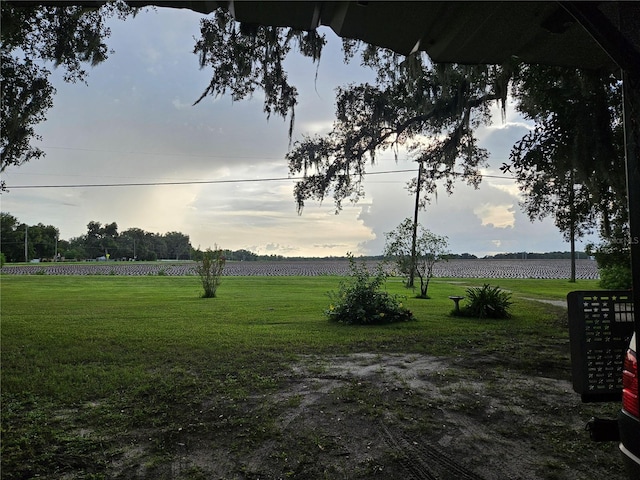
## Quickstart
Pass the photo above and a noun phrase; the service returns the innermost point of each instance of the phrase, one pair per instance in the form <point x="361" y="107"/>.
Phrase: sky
<point x="135" y="122"/>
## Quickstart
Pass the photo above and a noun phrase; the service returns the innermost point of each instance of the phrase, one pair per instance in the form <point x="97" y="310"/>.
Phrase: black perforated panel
<point x="600" y="327"/>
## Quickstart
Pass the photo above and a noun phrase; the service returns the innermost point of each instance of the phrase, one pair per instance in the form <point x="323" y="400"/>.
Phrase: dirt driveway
<point x="396" y="416"/>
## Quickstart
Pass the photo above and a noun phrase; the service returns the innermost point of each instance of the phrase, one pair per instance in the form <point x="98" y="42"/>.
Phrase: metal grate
<point x="600" y="327"/>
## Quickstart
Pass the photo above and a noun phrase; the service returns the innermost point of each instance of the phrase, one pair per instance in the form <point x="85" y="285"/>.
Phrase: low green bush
<point x="486" y="302"/>
<point x="359" y="300"/>
<point x="615" y="277"/>
<point x="614" y="261"/>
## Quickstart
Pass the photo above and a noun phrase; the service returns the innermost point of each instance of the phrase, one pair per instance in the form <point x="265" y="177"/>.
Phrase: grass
<point x="111" y="354"/>
<point x="82" y="337"/>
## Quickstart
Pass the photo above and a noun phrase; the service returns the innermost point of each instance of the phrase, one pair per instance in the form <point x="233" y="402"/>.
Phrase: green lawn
<point x="75" y="338"/>
<point x="146" y="345"/>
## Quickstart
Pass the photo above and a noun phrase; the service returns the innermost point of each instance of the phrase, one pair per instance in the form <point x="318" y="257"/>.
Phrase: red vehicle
<point x="629" y="416"/>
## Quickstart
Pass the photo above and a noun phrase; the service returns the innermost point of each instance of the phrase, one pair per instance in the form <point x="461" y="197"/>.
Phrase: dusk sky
<point x="135" y="123"/>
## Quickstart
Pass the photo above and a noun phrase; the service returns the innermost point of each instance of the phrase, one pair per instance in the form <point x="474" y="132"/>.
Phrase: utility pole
<point x="26" y="243"/>
<point x="415" y="227"/>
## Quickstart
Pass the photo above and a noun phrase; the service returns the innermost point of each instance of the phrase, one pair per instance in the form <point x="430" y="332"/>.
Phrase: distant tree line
<point x="21" y="242"/>
<point x="104" y="241"/>
<point x="536" y="256"/>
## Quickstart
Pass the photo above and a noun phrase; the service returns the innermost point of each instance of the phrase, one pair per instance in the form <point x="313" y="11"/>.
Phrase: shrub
<point x="210" y="270"/>
<point x="3" y="259"/>
<point x="487" y="302"/>
<point x="615" y="277"/>
<point x="359" y="300"/>
<point x="613" y="257"/>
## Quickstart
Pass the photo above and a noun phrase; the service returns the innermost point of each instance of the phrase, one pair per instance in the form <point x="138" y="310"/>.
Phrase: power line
<point x="196" y="182"/>
<point x="219" y="156"/>
<point x="185" y="182"/>
<point x="154" y="184"/>
<point x="212" y="182"/>
<point x="160" y="154"/>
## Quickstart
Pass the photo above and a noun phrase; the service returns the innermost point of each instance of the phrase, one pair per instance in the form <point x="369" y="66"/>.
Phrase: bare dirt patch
<point x="391" y="416"/>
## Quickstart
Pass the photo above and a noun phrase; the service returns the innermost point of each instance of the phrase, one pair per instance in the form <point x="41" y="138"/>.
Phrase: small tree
<point x="210" y="270"/>
<point x="430" y="248"/>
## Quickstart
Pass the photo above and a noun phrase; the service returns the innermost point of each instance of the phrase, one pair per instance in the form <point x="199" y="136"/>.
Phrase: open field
<point x="479" y="268"/>
<point x="116" y="377"/>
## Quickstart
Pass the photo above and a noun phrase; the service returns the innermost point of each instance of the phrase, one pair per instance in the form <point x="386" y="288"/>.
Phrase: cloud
<point x="498" y="216"/>
<point x="150" y="56"/>
<point x="499" y="138"/>
<point x="517" y="125"/>
<point x="315" y="127"/>
<point x="511" y="189"/>
<point x="273" y="248"/>
<point x="180" y="105"/>
<point x="332" y="246"/>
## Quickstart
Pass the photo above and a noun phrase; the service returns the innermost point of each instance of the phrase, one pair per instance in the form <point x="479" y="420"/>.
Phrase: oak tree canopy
<point x="429" y="110"/>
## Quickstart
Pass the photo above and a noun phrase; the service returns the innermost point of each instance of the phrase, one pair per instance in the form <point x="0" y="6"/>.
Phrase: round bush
<point x="359" y="300"/>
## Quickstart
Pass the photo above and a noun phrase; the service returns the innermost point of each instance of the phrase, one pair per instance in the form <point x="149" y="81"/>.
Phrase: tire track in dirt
<point x="425" y="461"/>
